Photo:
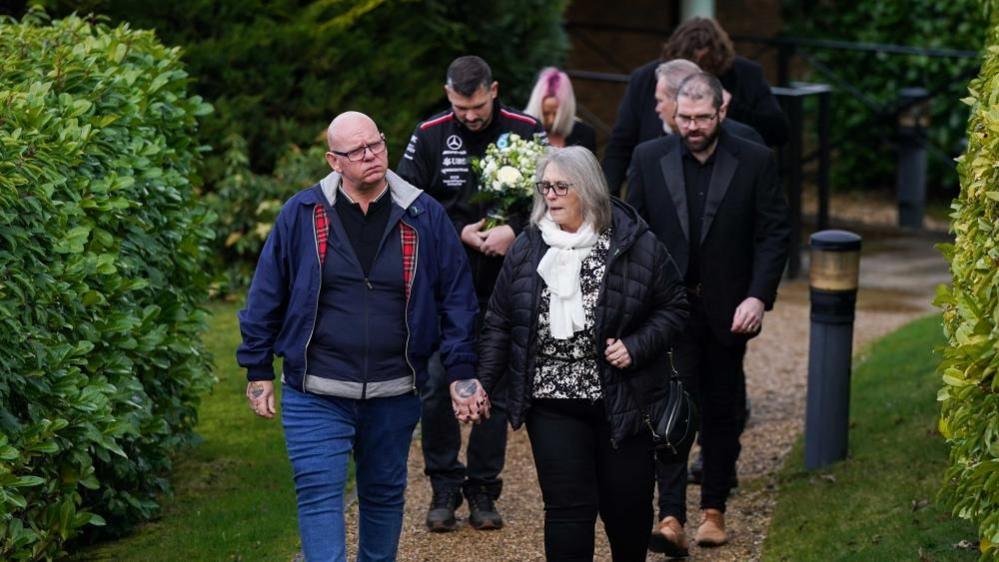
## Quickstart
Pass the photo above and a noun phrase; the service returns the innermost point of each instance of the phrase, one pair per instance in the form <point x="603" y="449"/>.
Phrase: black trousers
<point x="582" y="475"/>
<point x="712" y="372"/>
<point x="440" y="436"/>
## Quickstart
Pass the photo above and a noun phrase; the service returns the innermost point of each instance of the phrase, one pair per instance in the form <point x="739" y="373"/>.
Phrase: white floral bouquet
<point x="506" y="176"/>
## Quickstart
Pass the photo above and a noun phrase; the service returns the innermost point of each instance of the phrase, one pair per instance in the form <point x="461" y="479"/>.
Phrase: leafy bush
<point x="101" y="274"/>
<point x="865" y="156"/>
<point x="970" y="409"/>
<point x="278" y="70"/>
<point x="247" y="205"/>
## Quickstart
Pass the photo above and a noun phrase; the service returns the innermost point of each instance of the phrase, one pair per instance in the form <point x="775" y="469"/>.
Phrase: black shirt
<point x="696" y="179"/>
<point x="364" y="231"/>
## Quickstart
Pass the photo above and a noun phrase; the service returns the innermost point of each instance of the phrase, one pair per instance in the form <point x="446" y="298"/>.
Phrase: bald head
<point x="346" y="125"/>
<point x="357" y="153"/>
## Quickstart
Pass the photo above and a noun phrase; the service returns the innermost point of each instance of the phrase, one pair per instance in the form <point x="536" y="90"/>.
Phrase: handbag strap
<point x="643" y="406"/>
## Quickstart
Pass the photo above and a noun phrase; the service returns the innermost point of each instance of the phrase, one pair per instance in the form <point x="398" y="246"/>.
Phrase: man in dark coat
<point x="713" y="199"/>
<point x="439" y="161"/>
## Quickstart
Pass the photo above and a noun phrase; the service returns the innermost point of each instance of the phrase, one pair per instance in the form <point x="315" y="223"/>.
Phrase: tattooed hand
<point x="466" y="388"/>
<point x="469" y="399"/>
<point x="260" y="395"/>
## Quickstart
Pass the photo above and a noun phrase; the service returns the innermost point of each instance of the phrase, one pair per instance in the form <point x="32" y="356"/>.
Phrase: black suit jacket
<point x="745" y="233"/>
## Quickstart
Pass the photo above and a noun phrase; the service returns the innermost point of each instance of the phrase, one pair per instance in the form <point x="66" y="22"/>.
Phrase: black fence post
<point x="824" y="162"/>
<point x="913" y="118"/>
<point x="790" y="165"/>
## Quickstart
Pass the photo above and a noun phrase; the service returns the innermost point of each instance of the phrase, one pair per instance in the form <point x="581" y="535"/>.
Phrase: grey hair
<point x="581" y="169"/>
<point x="700" y="86"/>
<point x="674" y="73"/>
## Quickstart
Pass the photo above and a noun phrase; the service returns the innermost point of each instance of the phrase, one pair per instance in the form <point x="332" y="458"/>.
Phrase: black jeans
<point x="441" y="438"/>
<point x="712" y="372"/>
<point x="582" y="475"/>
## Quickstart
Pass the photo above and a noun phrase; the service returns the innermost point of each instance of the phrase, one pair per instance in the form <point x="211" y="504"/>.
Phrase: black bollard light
<point x="833" y="280"/>
<point x="913" y="119"/>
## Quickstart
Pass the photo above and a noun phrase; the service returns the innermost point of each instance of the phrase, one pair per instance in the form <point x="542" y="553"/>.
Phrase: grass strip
<point x="233" y="493"/>
<point x="880" y="503"/>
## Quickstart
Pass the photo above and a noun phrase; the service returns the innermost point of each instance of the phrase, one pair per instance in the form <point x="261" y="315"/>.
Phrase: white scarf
<point x="560" y="269"/>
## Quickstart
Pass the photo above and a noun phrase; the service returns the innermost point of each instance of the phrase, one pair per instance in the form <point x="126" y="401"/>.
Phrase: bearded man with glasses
<point x="714" y="200"/>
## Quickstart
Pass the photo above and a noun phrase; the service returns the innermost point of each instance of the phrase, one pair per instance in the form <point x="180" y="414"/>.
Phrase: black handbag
<point x="672" y="420"/>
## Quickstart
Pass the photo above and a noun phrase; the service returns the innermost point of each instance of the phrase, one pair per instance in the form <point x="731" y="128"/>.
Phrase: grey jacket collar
<point x="403" y="193"/>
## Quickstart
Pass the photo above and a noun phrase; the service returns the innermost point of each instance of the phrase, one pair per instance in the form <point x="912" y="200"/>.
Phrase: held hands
<point x="493" y="242"/>
<point x="260" y="394"/>
<point x="617" y="354"/>
<point x="469" y="399"/>
<point x="748" y="317"/>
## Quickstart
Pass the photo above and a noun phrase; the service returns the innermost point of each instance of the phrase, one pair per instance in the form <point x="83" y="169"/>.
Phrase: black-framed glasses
<point x="696" y="120"/>
<point x="357" y="154"/>
<point x="560" y="187"/>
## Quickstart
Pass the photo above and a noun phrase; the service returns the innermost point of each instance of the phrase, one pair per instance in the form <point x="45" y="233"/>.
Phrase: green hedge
<point x="102" y="247"/>
<point x="277" y="71"/>
<point x="865" y="157"/>
<point x="970" y="393"/>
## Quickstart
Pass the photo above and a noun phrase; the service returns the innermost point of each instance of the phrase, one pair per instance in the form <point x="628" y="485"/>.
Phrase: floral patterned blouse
<point x="568" y="368"/>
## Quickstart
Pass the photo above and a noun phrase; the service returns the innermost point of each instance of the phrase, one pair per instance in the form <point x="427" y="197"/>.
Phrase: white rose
<point x="508" y="175"/>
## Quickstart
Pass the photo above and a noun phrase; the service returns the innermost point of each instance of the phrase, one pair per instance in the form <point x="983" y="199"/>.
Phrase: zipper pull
<point x="368" y="283"/>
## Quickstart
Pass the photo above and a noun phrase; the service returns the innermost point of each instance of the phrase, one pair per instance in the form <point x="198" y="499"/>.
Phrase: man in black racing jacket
<point x="439" y="160"/>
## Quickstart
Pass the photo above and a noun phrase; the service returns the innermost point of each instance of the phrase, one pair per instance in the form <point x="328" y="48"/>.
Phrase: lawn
<point x="234" y="498"/>
<point x="879" y="504"/>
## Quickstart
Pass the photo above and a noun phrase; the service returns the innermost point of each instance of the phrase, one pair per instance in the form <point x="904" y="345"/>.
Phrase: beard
<point x="698" y="140"/>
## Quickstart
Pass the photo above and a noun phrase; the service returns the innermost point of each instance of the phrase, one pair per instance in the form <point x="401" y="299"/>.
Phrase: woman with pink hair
<point x="554" y="104"/>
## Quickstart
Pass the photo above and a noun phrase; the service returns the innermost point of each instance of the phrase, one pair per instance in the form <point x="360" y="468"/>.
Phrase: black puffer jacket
<point x="642" y="301"/>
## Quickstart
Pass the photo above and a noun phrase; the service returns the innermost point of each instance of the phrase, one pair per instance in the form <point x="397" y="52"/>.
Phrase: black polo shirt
<point x="364" y="230"/>
<point x="696" y="179"/>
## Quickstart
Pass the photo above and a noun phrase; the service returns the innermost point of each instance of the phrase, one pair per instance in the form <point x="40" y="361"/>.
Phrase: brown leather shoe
<point x="669" y="538"/>
<point x="712" y="529"/>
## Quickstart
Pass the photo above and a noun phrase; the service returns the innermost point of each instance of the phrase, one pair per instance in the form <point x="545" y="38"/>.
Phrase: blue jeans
<point x="321" y="432"/>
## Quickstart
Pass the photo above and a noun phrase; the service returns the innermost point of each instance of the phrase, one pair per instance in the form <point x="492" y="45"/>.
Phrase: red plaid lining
<point x="322" y="232"/>
<point x="408" y="256"/>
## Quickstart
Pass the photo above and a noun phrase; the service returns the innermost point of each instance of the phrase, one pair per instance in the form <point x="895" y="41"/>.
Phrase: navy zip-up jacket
<point x="282" y="304"/>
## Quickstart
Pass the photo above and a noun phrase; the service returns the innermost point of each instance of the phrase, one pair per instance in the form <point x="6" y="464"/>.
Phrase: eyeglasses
<point x="560" y="187"/>
<point x="357" y="154"/>
<point x="695" y="120"/>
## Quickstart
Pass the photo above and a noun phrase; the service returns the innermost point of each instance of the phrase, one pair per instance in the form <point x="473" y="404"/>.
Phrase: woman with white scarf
<point x="581" y="318"/>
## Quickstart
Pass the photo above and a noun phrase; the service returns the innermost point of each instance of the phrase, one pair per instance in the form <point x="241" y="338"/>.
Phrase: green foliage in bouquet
<point x="506" y="176"/>
<point x="102" y="251"/>
<point x="970" y="393"/>
<point x="865" y="157"/>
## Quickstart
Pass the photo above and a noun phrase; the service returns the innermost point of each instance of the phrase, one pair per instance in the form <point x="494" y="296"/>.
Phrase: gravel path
<point x="898" y="276"/>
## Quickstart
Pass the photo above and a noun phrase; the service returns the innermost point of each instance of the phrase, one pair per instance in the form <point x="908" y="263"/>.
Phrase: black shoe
<point x="482" y="511"/>
<point x="440" y="516"/>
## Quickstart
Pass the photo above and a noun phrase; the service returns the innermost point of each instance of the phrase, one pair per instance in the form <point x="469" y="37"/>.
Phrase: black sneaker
<point x="482" y="511"/>
<point x="440" y="516"/>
